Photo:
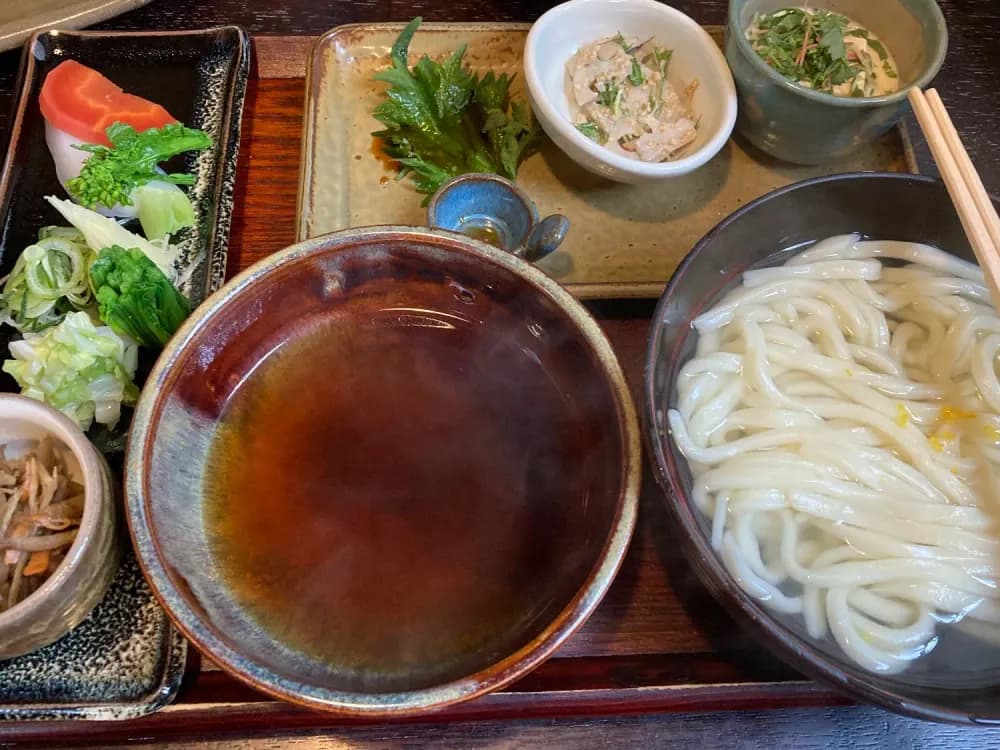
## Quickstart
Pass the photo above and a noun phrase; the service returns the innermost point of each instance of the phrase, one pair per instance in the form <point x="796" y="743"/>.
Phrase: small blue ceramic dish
<point x="804" y="126"/>
<point x="493" y="209"/>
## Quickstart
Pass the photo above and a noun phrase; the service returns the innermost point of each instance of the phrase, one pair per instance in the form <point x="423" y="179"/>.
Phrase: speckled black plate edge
<point x="162" y="695"/>
<point x="226" y="177"/>
<point x="175" y="648"/>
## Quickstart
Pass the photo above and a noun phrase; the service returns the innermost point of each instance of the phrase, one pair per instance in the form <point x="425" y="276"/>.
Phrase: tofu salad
<point x="620" y="97"/>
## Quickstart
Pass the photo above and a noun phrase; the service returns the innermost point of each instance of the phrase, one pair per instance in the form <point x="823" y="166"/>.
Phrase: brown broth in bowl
<point x="392" y="491"/>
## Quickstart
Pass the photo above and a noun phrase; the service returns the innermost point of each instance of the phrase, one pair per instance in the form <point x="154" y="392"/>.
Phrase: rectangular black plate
<point x="126" y="659"/>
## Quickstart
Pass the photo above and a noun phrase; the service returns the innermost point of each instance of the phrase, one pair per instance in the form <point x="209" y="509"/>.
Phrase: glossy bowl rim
<point x="794" y="649"/>
<point x="95" y="495"/>
<point x="931" y="69"/>
<point x="636" y="168"/>
<point x="501" y="672"/>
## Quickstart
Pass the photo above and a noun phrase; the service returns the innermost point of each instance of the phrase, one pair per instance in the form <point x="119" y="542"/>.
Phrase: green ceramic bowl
<point x="804" y="126"/>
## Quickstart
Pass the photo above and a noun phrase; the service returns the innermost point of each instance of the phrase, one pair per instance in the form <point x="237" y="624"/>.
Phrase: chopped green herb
<point x="636" y="77"/>
<point x="593" y="132"/>
<point x="662" y="59"/>
<point x="607" y="95"/>
<point x="832" y="38"/>
<point x="876" y="45"/>
<point x="889" y="70"/>
<point x="621" y="41"/>
<point x="841" y="72"/>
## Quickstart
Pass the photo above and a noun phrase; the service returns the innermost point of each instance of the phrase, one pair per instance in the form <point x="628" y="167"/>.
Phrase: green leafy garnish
<point x="111" y="174"/>
<point x="636" y="77"/>
<point x="592" y="131"/>
<point x="876" y="45"/>
<point x="662" y="59"/>
<point x="442" y="120"/>
<point x="832" y="39"/>
<point x="134" y="297"/>
<point x="815" y="48"/>
<point x="608" y="94"/>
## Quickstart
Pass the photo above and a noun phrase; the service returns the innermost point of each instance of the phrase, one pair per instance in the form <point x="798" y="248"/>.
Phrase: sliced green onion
<point x="49" y="279"/>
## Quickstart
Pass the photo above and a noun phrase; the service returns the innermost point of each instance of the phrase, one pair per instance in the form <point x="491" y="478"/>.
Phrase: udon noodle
<point x="841" y="418"/>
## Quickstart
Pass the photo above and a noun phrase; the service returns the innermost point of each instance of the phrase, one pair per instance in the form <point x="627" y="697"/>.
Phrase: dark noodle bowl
<point x="959" y="681"/>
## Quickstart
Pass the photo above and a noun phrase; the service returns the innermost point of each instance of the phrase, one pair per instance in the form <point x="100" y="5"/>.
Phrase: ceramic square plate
<point x="625" y="240"/>
<point x="126" y="659"/>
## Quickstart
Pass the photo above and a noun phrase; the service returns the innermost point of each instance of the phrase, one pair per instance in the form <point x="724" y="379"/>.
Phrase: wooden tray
<point x="625" y="240"/>
<point x="658" y="642"/>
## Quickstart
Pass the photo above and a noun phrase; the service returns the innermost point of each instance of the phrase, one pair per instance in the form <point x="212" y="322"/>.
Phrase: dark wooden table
<point x="634" y="620"/>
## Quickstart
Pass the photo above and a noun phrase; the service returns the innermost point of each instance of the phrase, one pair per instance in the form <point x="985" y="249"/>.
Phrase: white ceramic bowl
<point x="564" y="29"/>
<point x="83" y="577"/>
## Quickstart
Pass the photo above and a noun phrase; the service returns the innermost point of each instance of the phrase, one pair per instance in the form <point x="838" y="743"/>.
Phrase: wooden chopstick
<point x="972" y="202"/>
<point x="969" y="173"/>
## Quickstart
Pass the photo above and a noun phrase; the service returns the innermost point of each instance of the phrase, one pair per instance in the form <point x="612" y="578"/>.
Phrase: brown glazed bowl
<point x="549" y="541"/>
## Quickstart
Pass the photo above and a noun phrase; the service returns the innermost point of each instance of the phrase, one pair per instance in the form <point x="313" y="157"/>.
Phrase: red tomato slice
<point x="82" y="102"/>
